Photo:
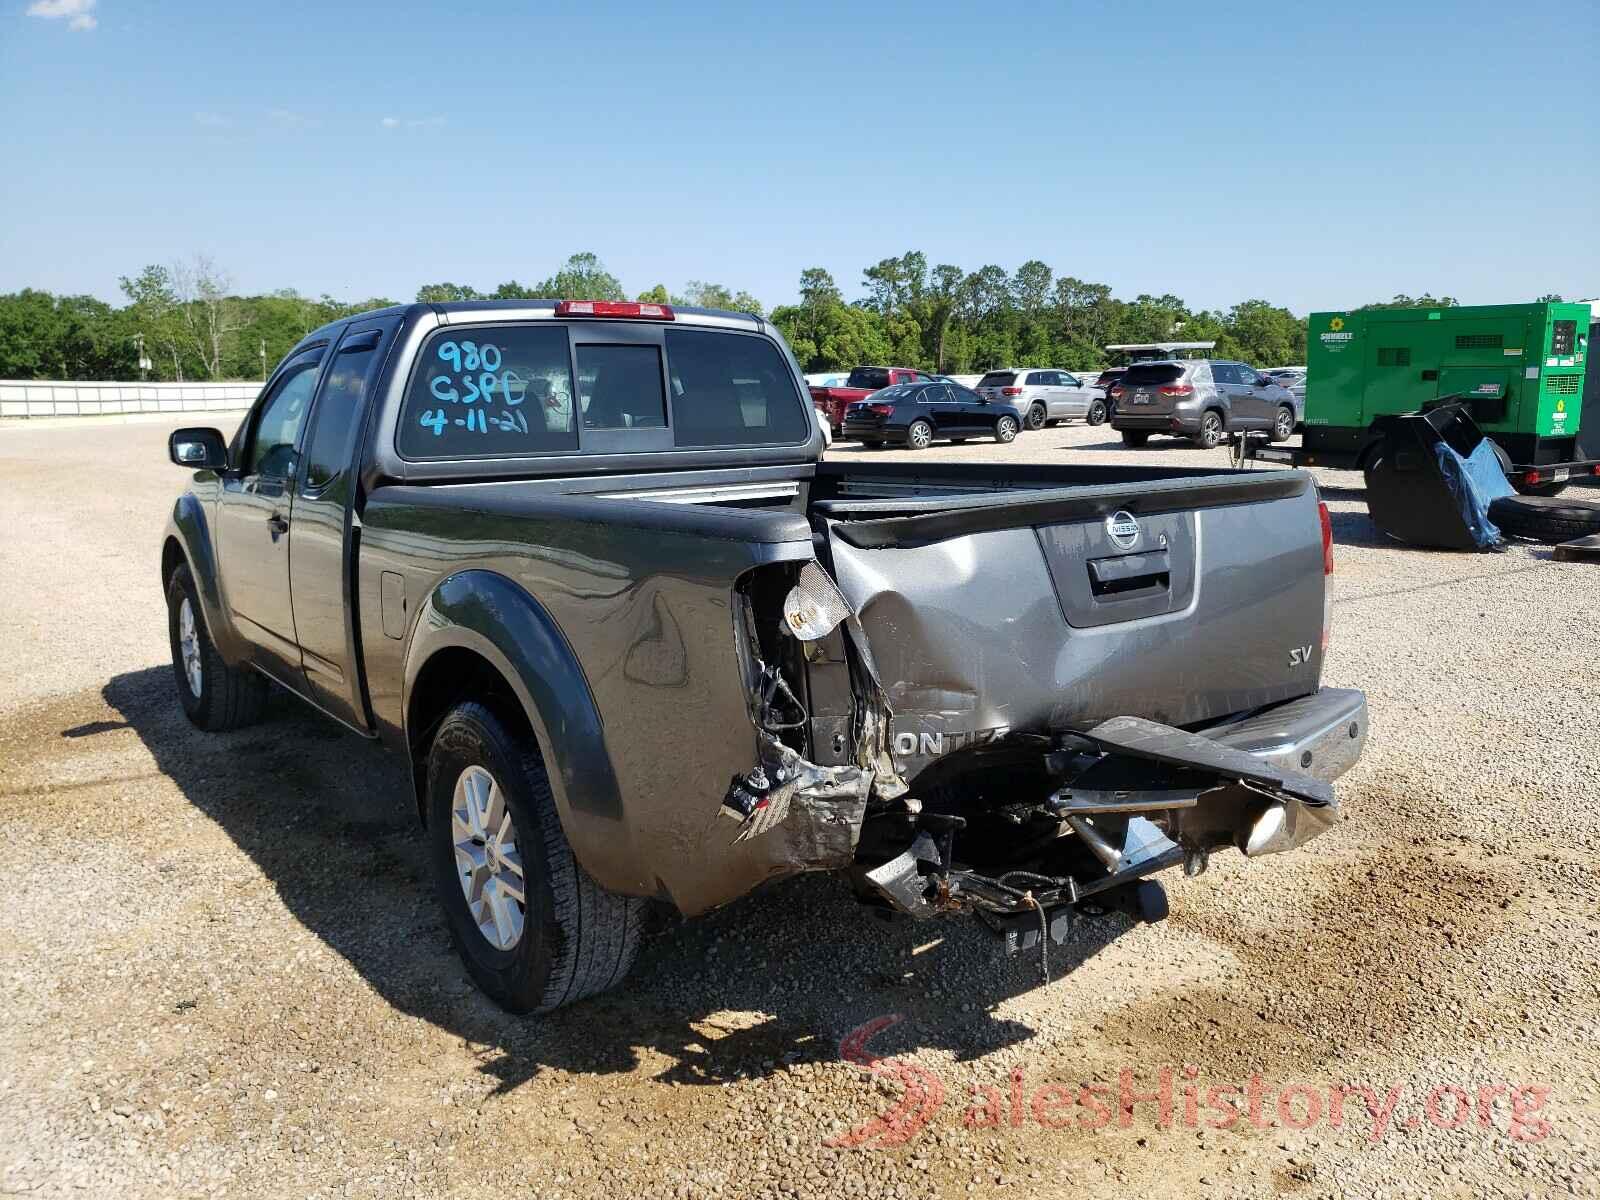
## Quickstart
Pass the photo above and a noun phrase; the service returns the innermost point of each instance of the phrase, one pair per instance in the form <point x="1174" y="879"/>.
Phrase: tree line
<point x="187" y="322"/>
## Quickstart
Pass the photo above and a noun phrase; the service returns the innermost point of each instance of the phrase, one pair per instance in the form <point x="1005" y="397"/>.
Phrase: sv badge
<point x="1299" y="656"/>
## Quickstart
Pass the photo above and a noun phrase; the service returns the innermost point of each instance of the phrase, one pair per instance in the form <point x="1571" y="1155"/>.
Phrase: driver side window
<point x="279" y="421"/>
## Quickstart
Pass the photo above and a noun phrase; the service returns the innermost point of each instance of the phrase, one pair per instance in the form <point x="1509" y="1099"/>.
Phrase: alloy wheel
<point x="488" y="862"/>
<point x="189" y="647"/>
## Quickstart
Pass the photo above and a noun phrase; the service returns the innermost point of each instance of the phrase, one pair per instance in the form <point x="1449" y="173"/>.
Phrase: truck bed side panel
<point x="642" y="595"/>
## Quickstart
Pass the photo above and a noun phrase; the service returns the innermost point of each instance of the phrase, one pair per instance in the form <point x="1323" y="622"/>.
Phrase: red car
<point x="863" y="381"/>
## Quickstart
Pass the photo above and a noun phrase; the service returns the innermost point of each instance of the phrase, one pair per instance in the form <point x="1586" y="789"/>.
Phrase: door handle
<point x="279" y="524"/>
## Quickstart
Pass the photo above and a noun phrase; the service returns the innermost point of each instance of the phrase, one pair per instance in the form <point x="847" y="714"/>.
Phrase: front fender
<point x="191" y="529"/>
<point x="494" y="617"/>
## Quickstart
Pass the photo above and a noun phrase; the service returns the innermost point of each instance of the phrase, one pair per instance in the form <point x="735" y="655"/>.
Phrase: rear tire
<point x="572" y="938"/>
<point x="1540" y="489"/>
<point x="919" y="436"/>
<point x="1005" y="430"/>
<point x="1135" y="438"/>
<point x="1096" y="414"/>
<point x="1036" y="417"/>
<point x="1545" y="518"/>
<point x="1211" y="430"/>
<point x="214" y="695"/>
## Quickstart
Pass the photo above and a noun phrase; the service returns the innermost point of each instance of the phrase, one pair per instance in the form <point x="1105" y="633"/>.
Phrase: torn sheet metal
<point x="826" y="805"/>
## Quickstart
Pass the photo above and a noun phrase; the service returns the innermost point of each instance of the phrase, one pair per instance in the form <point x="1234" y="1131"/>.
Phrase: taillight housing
<point x="616" y="308"/>
<point x="1176" y="389"/>
<point x="1116" y="390"/>
<point x="883" y="410"/>
<point x="1012" y="391"/>
<point x="1327" y="537"/>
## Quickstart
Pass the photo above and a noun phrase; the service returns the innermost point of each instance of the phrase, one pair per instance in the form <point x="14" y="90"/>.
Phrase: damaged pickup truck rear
<point x="582" y="563"/>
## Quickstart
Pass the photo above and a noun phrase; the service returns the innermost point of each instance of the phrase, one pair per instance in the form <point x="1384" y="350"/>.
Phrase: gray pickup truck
<point x="582" y="564"/>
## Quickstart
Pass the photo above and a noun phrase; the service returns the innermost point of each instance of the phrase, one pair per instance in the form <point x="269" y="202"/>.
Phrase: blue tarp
<point x="1476" y="481"/>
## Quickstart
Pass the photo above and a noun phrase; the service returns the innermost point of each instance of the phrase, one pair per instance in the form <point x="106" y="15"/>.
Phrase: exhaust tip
<point x="1266" y="829"/>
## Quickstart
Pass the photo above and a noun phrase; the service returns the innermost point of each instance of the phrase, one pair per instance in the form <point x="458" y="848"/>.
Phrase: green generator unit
<point x="1518" y="367"/>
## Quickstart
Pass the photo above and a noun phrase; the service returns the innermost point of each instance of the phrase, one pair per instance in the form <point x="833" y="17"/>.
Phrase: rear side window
<point x="871" y="378"/>
<point x="998" y="379"/>
<point x="1145" y="374"/>
<point x="338" y="411"/>
<point x="731" y="390"/>
<point x="1225" y="373"/>
<point x="1041" y="379"/>
<point x="491" y="391"/>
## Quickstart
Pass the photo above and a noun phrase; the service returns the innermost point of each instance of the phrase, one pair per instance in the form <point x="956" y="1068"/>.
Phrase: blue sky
<point x="1316" y="155"/>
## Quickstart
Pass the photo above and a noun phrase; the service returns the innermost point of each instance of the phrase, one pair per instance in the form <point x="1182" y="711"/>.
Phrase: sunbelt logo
<point x="1336" y="334"/>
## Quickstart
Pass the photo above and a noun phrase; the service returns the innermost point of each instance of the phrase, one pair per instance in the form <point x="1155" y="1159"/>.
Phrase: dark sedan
<point x="915" y="414"/>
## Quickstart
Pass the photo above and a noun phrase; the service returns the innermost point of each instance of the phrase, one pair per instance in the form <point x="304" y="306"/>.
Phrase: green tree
<point x="153" y="303"/>
<point x="445" y="293"/>
<point x="582" y="277"/>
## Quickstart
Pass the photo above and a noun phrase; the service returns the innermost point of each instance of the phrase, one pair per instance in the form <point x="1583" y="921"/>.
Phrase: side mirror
<point x="199" y="449"/>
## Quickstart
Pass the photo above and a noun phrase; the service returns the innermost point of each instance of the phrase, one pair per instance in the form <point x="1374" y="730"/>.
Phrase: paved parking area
<point x="222" y="971"/>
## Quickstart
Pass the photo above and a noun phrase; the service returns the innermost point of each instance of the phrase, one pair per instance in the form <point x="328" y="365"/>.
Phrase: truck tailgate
<point x="1181" y="599"/>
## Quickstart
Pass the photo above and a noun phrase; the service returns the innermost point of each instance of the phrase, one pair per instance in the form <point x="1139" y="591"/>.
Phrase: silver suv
<point x="1203" y="399"/>
<point x="1044" y="397"/>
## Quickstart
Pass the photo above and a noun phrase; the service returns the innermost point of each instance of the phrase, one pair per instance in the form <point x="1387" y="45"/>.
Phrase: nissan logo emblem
<point x="1123" y="530"/>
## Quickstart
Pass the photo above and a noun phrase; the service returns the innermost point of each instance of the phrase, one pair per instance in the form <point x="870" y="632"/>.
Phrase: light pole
<point x="263" y="360"/>
<point x="144" y="363"/>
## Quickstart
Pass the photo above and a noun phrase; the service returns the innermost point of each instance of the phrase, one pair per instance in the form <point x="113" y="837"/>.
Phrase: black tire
<point x="1096" y="414"/>
<point x="1283" y="423"/>
<point x="919" y="435"/>
<point x="1134" y="438"/>
<point x="228" y="697"/>
<point x="1212" y="427"/>
<point x="1005" y="430"/>
<point x="1540" y="489"/>
<point x="577" y="939"/>
<point x="1545" y="518"/>
<point x="1036" y="417"/>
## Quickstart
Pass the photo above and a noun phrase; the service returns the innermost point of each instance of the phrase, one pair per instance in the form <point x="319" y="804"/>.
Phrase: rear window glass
<point x="499" y="391"/>
<point x="871" y="378"/>
<point x="619" y="387"/>
<point x="731" y="390"/>
<point x="1148" y="373"/>
<point x="998" y="379"/>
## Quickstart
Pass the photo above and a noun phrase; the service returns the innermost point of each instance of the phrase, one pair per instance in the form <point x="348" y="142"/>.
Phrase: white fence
<point x="31" y="398"/>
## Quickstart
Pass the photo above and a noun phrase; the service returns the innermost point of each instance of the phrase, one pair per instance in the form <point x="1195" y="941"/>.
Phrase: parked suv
<point x="1203" y="399"/>
<point x="1044" y="397"/>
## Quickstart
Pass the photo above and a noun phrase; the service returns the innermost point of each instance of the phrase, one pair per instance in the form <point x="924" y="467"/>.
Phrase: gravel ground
<point x="222" y="972"/>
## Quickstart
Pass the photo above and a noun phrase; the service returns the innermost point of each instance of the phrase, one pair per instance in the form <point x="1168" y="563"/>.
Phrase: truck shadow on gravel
<point x="774" y="979"/>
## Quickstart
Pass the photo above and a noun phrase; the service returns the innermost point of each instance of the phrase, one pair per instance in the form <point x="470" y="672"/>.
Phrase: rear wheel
<point x="214" y="695"/>
<point x="1036" y="416"/>
<point x="1134" y="438"/>
<point x="1005" y="429"/>
<point x="1283" y="424"/>
<point x="1210" y="435"/>
<point x="1096" y="414"/>
<point x="920" y="435"/>
<point x="534" y="931"/>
